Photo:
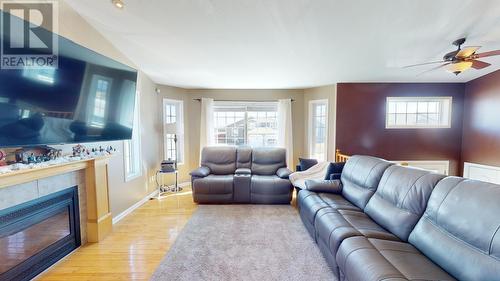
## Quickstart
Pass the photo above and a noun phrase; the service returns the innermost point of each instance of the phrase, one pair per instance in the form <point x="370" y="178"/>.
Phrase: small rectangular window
<point x="132" y="148"/>
<point x="318" y="129"/>
<point x="173" y="130"/>
<point x="418" y="112"/>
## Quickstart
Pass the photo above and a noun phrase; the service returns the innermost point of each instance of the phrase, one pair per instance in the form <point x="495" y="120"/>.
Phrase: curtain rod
<point x="244" y="100"/>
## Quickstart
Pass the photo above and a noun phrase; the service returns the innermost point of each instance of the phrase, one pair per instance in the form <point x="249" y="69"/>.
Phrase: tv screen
<point x="87" y="98"/>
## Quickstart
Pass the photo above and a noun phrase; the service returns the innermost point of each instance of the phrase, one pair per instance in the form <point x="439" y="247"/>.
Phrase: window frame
<point x="311" y="127"/>
<point x="180" y="130"/>
<point x="132" y="147"/>
<point x="440" y="99"/>
<point x="246" y="108"/>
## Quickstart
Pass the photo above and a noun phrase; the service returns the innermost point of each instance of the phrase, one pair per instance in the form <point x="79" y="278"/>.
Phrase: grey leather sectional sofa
<point x="389" y="222"/>
<point x="242" y="175"/>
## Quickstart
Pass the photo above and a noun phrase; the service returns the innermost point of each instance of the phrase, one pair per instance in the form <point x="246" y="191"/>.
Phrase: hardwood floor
<point x="135" y="247"/>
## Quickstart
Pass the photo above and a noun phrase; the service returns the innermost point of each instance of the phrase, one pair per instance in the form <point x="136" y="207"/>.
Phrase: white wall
<point x="320" y="93"/>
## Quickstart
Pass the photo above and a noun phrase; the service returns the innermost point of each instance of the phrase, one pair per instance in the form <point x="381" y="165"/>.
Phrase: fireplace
<point x="36" y="234"/>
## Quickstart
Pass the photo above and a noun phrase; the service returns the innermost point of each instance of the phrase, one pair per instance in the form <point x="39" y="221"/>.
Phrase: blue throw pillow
<point x="334" y="170"/>
<point x="307" y="163"/>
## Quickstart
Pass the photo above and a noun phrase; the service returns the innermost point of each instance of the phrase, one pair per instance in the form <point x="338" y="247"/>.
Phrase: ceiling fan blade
<point x="434" y="68"/>
<point x="425" y="63"/>
<point x="487" y="54"/>
<point x="467" y="52"/>
<point x="477" y="64"/>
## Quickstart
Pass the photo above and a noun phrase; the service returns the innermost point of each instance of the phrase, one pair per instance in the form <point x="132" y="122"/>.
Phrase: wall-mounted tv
<point x="87" y="98"/>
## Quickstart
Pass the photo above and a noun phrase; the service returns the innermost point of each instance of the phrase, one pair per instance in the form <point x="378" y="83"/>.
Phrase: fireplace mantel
<point x="99" y="219"/>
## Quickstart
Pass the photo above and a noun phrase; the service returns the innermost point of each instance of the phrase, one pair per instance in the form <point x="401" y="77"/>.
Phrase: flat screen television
<point x="87" y="98"/>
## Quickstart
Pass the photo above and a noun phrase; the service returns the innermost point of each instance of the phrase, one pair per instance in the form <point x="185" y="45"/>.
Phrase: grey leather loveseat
<point x="242" y="175"/>
<point x="388" y="222"/>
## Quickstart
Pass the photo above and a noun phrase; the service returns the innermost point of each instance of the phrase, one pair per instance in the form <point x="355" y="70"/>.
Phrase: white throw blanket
<point x="316" y="172"/>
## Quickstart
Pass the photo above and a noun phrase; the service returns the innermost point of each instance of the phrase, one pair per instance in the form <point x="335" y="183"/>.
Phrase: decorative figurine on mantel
<point x="79" y="150"/>
<point x="84" y="152"/>
<point x="37" y="154"/>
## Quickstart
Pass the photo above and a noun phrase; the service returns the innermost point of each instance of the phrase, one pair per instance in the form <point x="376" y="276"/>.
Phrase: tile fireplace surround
<point x="21" y="193"/>
<point x="22" y="188"/>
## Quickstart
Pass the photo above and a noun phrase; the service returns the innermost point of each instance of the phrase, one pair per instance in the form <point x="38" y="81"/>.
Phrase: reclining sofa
<point x="242" y="175"/>
<point x="387" y="222"/>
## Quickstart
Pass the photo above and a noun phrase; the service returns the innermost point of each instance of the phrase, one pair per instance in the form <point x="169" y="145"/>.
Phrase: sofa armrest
<point x="243" y="171"/>
<point x="329" y="186"/>
<point x="201" y="172"/>
<point x="283" y="173"/>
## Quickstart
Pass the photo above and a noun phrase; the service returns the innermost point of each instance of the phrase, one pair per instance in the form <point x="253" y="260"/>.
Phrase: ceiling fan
<point x="461" y="59"/>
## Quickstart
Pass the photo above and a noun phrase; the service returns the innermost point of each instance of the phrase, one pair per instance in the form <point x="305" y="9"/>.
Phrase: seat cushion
<point x="360" y="178"/>
<point x="270" y="185"/>
<point x="333" y="226"/>
<point x="213" y="184"/>
<point x="336" y="201"/>
<point x="460" y="229"/>
<point x="309" y="204"/>
<point x="401" y="198"/>
<point x="361" y="258"/>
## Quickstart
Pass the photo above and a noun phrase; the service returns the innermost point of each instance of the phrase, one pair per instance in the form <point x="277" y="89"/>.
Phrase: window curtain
<point x="206" y="123"/>
<point x="285" y="136"/>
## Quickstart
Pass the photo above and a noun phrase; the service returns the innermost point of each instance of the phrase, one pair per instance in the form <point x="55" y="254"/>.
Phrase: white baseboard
<point x="123" y="214"/>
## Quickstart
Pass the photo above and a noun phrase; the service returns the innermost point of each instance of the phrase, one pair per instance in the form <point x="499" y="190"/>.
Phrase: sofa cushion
<point x="333" y="226"/>
<point x="270" y="185"/>
<point x="334" y="171"/>
<point x="360" y="178"/>
<point x="460" y="229"/>
<point x="221" y="160"/>
<point x="336" y="201"/>
<point x="244" y="157"/>
<point x="401" y="198"/>
<point x="309" y="204"/>
<point x="360" y="258"/>
<point x="214" y="184"/>
<point x="266" y="161"/>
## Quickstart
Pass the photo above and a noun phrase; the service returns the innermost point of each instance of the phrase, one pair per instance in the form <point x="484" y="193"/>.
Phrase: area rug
<point x="244" y="242"/>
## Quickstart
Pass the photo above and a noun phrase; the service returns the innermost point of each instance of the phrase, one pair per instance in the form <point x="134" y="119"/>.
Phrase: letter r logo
<point x="29" y="26"/>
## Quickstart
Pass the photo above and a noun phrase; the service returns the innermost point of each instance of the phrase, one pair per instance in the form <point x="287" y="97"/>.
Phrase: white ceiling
<point x="255" y="44"/>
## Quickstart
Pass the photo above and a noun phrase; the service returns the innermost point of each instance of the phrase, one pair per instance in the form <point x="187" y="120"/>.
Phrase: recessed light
<point x="118" y="3"/>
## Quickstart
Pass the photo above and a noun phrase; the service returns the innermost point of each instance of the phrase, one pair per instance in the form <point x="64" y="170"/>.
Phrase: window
<point x="173" y="129"/>
<point x="418" y="112"/>
<point x="101" y="87"/>
<point x="238" y="123"/>
<point x="318" y="129"/>
<point x="132" y="148"/>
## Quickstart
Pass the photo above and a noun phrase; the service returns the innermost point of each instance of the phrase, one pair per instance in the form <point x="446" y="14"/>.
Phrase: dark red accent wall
<point x="481" y="130"/>
<point x="361" y="123"/>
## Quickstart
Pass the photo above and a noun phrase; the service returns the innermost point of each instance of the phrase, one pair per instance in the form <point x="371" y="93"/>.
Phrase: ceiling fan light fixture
<point x="459" y="67"/>
<point x="118" y="3"/>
